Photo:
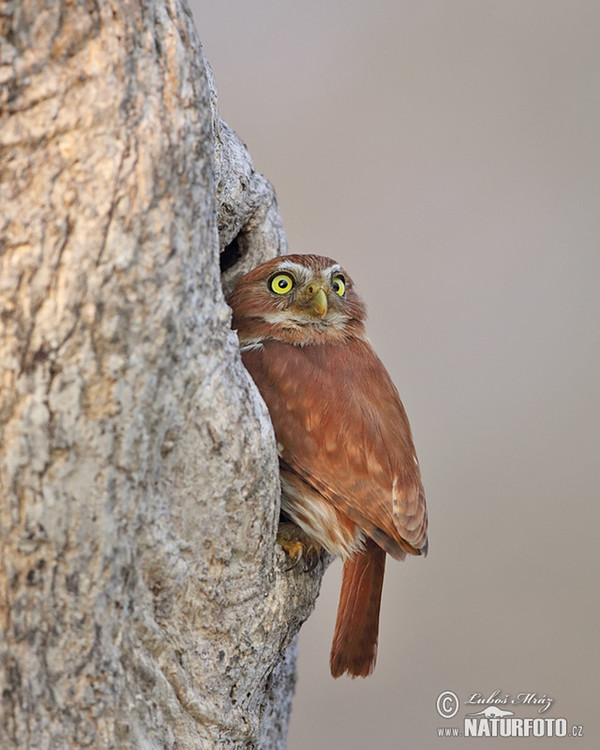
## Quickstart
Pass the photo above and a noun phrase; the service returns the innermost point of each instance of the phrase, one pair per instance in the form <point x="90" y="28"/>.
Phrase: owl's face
<point x="298" y="299"/>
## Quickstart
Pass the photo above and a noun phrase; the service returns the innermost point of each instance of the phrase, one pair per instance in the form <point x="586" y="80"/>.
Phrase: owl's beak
<point x="318" y="304"/>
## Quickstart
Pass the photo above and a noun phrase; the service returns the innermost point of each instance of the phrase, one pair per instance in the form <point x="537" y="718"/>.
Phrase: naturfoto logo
<point x="496" y="715"/>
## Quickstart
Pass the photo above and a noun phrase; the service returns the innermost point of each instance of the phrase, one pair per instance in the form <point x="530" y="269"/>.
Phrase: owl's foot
<point x="298" y="546"/>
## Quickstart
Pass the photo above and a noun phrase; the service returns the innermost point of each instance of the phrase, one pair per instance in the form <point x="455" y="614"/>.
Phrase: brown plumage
<point x="349" y="473"/>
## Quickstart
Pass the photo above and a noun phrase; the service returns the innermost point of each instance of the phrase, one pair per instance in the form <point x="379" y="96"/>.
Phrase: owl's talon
<point x="312" y="555"/>
<point x="294" y="550"/>
<point x="292" y="566"/>
<point x="298" y="547"/>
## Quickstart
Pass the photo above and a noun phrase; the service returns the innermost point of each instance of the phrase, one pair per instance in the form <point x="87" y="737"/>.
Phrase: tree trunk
<point x="143" y="600"/>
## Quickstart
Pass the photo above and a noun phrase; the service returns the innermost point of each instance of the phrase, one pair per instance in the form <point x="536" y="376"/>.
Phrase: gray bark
<point x="143" y="599"/>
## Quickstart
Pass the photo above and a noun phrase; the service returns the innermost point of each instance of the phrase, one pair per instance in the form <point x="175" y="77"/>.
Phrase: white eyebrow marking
<point x="289" y="264"/>
<point x="304" y="274"/>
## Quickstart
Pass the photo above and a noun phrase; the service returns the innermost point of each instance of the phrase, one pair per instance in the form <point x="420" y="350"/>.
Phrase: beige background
<point x="447" y="153"/>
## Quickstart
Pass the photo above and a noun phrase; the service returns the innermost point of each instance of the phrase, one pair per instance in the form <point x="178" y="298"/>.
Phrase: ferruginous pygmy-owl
<point x="350" y="477"/>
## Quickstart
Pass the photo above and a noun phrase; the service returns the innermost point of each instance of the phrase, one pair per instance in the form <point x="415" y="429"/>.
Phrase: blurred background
<point x="448" y="155"/>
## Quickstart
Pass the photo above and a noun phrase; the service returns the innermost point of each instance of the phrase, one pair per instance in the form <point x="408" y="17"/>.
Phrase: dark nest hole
<point x="231" y="255"/>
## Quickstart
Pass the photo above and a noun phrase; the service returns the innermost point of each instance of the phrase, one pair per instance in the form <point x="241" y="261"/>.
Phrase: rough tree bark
<point x="143" y="600"/>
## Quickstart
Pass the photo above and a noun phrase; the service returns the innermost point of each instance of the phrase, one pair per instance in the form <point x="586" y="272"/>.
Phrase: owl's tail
<point x="354" y="648"/>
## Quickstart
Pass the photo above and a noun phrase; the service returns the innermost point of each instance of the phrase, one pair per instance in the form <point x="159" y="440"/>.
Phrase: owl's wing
<point x="341" y="427"/>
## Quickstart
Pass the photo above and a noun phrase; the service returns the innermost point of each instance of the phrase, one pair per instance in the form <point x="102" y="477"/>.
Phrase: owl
<point x="350" y="478"/>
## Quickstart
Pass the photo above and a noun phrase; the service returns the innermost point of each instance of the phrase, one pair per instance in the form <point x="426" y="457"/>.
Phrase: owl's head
<point x="298" y="299"/>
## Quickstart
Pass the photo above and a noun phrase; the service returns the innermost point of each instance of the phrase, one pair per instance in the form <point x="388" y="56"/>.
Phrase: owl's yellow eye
<point x="338" y="285"/>
<point x="282" y="283"/>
